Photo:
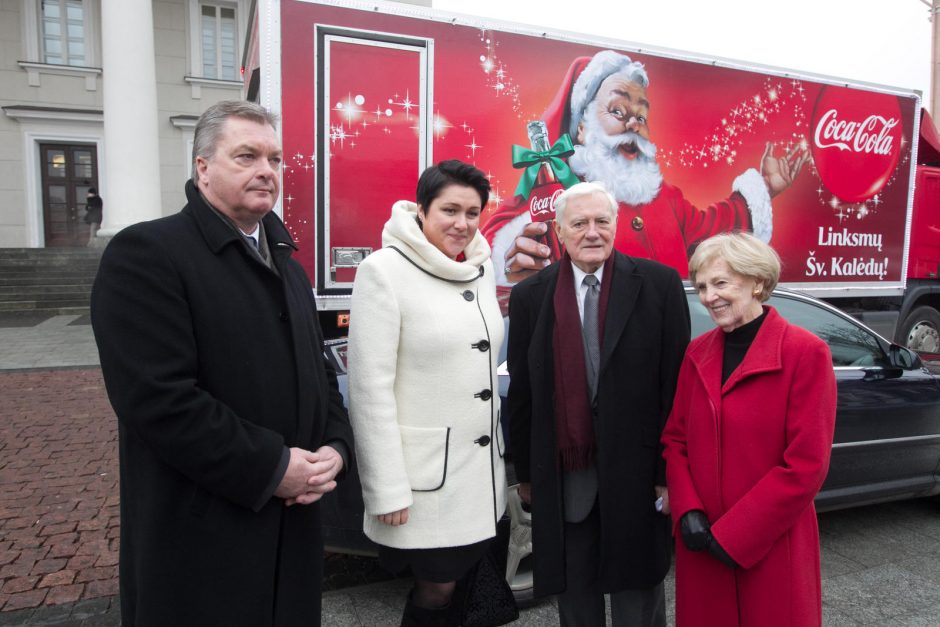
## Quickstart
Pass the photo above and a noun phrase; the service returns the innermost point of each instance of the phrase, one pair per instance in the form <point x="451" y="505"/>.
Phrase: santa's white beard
<point x="632" y="181"/>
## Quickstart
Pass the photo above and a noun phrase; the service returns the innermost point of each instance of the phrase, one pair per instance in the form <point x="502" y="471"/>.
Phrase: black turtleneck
<point x="736" y="344"/>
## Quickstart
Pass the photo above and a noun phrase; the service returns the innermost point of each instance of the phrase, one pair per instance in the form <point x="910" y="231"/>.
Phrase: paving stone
<point x="20" y="600"/>
<point x="106" y="620"/>
<point x="58" y="438"/>
<point x="64" y="549"/>
<point x="16" y="618"/>
<point x="876" y="595"/>
<point x="91" y="607"/>
<point x="58" y="578"/>
<point x="101" y="588"/>
<point x="96" y="574"/>
<point x="57" y="528"/>
<point x="44" y="567"/>
<point x="51" y="615"/>
<point x="65" y="594"/>
<point x="19" y="584"/>
<point x="926" y="617"/>
<point x="79" y="562"/>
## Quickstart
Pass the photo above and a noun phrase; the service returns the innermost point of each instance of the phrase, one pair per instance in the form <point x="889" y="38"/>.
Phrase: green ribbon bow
<point x="531" y="160"/>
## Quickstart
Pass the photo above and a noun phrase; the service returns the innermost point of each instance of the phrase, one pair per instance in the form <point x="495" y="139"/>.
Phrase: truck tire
<point x="921" y="330"/>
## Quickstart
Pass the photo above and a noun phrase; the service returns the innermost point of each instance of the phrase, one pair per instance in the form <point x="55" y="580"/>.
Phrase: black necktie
<point x="592" y="347"/>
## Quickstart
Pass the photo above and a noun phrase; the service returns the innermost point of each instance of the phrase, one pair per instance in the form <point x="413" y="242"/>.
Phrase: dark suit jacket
<point x="213" y="363"/>
<point x="645" y="335"/>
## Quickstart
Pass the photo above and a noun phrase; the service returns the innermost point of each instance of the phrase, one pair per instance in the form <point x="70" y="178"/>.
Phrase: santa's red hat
<point x="580" y="85"/>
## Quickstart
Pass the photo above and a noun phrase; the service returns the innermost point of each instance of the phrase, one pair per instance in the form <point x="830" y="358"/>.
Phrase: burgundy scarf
<point x="573" y="421"/>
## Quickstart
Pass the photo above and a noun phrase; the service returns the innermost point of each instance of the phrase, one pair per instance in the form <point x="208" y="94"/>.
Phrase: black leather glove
<point x="694" y="526"/>
<point x="718" y="552"/>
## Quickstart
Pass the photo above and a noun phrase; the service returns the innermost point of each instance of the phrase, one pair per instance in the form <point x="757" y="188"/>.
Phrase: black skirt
<point x="440" y="565"/>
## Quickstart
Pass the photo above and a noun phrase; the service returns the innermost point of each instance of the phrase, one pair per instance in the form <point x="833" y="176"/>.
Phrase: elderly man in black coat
<point x="595" y="344"/>
<point x="231" y="424"/>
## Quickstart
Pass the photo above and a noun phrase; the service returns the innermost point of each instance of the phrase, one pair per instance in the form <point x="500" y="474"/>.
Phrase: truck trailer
<point x="371" y="93"/>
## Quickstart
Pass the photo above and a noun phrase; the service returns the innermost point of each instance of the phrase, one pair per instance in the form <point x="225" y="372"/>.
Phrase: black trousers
<point x="582" y="603"/>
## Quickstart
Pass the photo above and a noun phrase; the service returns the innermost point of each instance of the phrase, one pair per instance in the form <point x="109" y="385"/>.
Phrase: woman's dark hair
<point x="450" y="172"/>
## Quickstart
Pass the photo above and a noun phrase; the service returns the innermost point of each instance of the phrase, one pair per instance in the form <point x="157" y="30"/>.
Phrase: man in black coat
<point x="595" y="345"/>
<point x="231" y="425"/>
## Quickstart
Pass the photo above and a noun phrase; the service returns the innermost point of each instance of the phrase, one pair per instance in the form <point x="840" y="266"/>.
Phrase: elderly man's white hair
<point x="605" y="63"/>
<point x="585" y="188"/>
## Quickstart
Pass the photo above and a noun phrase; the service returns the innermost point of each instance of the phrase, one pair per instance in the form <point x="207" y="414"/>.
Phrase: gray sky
<point x="876" y="41"/>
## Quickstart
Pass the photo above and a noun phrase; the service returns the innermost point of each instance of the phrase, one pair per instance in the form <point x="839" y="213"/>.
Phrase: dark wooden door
<point x="68" y="171"/>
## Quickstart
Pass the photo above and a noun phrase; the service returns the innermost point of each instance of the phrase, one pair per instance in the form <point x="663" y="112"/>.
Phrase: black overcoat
<point x="213" y="364"/>
<point x="646" y="332"/>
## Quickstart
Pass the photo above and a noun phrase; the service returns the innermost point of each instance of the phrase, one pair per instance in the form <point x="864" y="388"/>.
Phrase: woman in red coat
<point x="747" y="448"/>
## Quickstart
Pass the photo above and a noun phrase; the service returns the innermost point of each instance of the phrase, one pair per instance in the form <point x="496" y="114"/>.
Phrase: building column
<point x="131" y="135"/>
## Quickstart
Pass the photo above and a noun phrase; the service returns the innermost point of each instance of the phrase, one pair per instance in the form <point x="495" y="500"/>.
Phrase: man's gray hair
<point x="587" y="188"/>
<point x="209" y="126"/>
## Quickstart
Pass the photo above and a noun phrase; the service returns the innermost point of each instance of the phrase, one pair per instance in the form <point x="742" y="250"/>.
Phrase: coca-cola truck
<point x="842" y="178"/>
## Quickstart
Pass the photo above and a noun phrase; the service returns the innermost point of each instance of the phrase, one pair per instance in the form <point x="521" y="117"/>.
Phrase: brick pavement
<point x="58" y="491"/>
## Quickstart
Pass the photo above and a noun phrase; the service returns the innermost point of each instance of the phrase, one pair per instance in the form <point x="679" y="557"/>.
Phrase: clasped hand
<point x="697" y="536"/>
<point x="309" y="475"/>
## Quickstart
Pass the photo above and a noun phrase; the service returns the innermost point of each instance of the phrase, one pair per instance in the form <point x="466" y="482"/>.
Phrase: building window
<point x="63" y="32"/>
<point x="219" y="45"/>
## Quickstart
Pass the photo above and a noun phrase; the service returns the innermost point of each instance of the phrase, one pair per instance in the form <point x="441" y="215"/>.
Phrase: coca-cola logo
<point x="543" y="207"/>
<point x="856" y="141"/>
<point x="869" y="136"/>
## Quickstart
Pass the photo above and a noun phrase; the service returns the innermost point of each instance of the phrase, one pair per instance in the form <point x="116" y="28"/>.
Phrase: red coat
<point x="752" y="454"/>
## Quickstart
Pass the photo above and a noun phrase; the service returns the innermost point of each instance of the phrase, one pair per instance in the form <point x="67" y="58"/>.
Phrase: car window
<point x="849" y="343"/>
<point x="701" y="321"/>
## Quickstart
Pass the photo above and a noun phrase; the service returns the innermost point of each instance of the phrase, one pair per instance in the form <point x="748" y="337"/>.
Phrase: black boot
<point x="415" y="616"/>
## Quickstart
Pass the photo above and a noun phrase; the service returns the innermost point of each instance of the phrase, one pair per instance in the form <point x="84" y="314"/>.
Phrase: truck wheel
<point x="519" y="562"/>
<point x="921" y="330"/>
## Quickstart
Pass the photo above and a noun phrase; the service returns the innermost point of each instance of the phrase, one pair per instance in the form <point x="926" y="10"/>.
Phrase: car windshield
<point x="851" y="344"/>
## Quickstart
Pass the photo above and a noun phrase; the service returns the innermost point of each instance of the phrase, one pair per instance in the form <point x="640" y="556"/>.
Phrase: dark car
<point x="887" y="438"/>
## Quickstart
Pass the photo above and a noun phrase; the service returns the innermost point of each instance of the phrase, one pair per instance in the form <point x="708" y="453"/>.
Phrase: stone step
<point x="64" y="274"/>
<point x="76" y="304"/>
<point x="63" y="262"/>
<point x="50" y="260"/>
<point x="45" y="312"/>
<point x="9" y="291"/>
<point x="59" y="278"/>
<point x="46" y="252"/>
<point x="50" y="280"/>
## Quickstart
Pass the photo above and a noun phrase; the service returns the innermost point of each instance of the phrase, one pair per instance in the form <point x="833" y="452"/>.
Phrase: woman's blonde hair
<point x="745" y="254"/>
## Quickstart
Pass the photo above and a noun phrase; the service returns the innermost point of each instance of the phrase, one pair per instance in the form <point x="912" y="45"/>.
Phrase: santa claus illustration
<point x="602" y="104"/>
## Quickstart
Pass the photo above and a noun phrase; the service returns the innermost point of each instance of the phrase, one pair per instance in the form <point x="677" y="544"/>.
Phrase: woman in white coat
<point x="425" y="330"/>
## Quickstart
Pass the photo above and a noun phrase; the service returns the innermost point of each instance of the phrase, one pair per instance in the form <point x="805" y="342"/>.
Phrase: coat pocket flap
<point x="425" y="450"/>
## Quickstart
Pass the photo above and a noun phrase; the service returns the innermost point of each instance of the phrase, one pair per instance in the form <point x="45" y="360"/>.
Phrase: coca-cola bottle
<point x="545" y="190"/>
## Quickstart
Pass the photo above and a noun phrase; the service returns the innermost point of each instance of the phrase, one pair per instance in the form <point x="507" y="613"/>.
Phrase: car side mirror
<point x="903" y="358"/>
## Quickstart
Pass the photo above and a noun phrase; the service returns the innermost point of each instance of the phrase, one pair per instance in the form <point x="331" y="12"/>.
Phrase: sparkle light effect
<point x="350" y="122"/>
<point x="496" y="73"/>
<point x="745" y="120"/>
<point x="296" y="163"/>
<point x="861" y="210"/>
<point x="778" y="97"/>
<point x="441" y="125"/>
<point x="501" y="85"/>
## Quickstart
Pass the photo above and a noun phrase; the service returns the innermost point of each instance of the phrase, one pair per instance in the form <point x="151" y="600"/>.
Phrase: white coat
<point x="424" y="336"/>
